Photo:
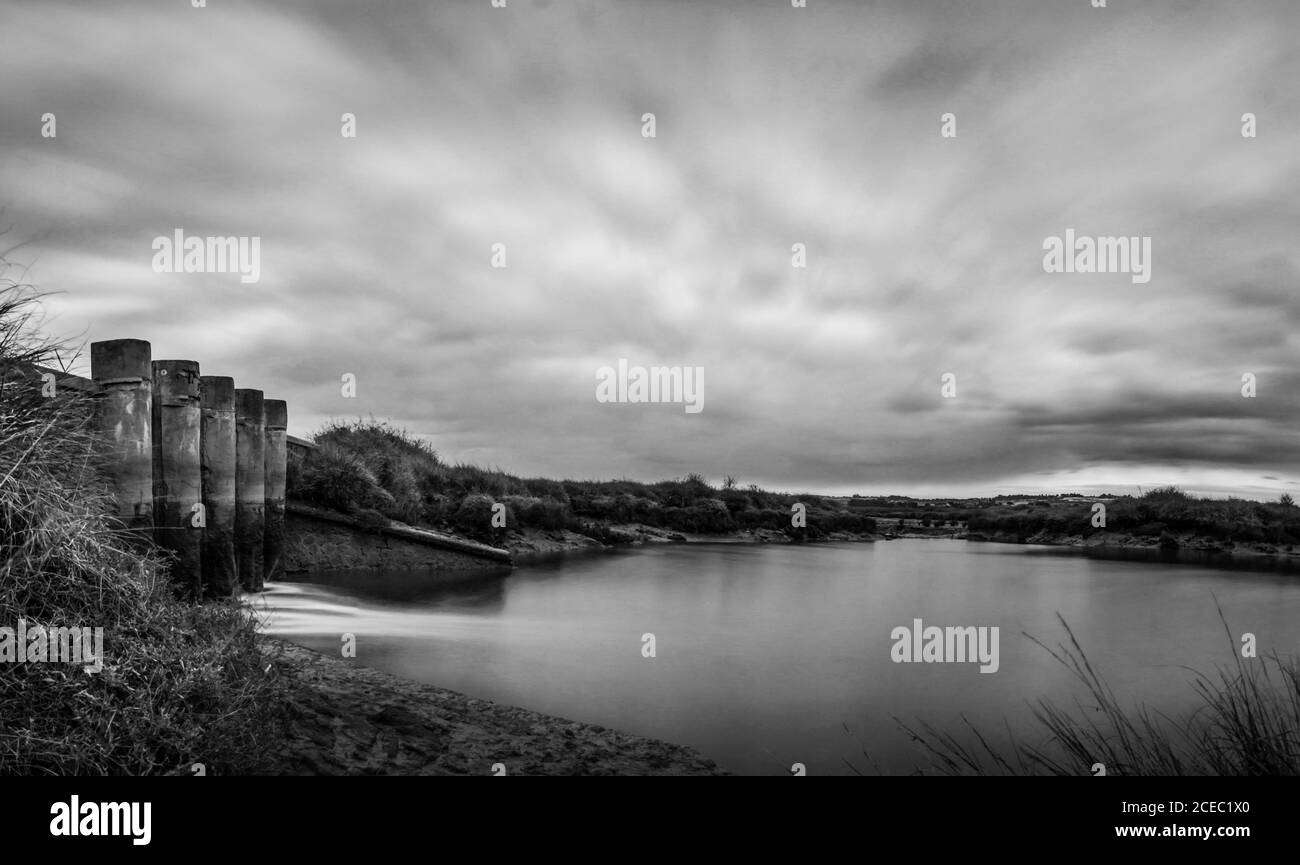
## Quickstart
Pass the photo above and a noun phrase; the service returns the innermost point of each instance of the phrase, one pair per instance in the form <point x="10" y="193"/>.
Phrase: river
<point x="770" y="655"/>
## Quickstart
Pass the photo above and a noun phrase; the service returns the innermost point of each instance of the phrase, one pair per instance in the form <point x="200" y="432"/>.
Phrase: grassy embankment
<point x="374" y="471"/>
<point x="1167" y="515"/>
<point x="180" y="684"/>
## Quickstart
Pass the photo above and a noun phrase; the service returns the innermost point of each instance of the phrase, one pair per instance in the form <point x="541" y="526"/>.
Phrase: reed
<point x="1247" y="723"/>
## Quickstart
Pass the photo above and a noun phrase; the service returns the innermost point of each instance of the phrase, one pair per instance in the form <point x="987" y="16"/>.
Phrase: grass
<point x="181" y="683"/>
<point x="1247" y="723"/>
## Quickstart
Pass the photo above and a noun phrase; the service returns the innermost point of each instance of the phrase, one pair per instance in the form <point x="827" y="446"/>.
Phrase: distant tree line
<point x="1158" y="512"/>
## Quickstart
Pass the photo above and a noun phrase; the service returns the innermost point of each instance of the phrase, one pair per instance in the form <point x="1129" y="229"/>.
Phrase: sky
<point x="774" y="126"/>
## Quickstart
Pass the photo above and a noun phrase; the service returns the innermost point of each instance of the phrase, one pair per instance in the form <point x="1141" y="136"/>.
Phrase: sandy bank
<point x="346" y="719"/>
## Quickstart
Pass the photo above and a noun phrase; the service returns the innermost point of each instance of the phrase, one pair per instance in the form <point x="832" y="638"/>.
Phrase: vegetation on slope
<point x="370" y="467"/>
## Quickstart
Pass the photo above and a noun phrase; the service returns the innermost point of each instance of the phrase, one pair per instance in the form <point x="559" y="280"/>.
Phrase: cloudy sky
<point x="774" y="126"/>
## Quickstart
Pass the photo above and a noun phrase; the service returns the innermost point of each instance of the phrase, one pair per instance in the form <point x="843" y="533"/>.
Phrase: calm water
<point x="774" y="655"/>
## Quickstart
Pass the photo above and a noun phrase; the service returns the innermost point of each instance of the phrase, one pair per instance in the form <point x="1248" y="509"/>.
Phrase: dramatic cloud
<point x="775" y="126"/>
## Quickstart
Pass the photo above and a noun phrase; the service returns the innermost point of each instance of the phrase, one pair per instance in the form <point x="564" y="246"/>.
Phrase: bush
<point x="545" y="514"/>
<point x="474" y="517"/>
<point x="393" y="469"/>
<point x="334" y="477"/>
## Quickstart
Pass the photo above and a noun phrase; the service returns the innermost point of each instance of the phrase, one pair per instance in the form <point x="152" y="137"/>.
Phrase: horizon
<point x="812" y="134"/>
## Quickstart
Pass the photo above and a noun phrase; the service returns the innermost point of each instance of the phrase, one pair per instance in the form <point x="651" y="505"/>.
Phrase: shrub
<point x="474" y="517"/>
<point x="335" y="477"/>
<point x="545" y="514"/>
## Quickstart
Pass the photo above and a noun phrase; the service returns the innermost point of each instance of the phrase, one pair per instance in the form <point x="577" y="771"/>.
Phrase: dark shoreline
<point x="343" y="718"/>
<point x="1124" y="547"/>
<point x="535" y="548"/>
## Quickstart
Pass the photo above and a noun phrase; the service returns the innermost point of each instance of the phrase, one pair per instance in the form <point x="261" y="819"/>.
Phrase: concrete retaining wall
<point x="317" y="540"/>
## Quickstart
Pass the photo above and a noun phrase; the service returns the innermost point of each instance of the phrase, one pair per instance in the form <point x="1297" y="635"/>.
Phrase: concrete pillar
<point x="217" y="456"/>
<point x="277" y="455"/>
<point x="124" y="417"/>
<point x="250" y="486"/>
<point x="177" y="476"/>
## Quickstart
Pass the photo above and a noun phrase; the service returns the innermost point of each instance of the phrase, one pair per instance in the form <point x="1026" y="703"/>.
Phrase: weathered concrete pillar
<point x="124" y="416"/>
<point x="277" y="455"/>
<point x="250" y="486"/>
<point x="217" y="456"/>
<point x="177" y="476"/>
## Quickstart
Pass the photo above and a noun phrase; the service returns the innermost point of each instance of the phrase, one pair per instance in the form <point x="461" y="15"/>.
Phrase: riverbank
<point x="532" y="545"/>
<point x="528" y="545"/>
<point x="345" y="719"/>
<point x="1171" y="548"/>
